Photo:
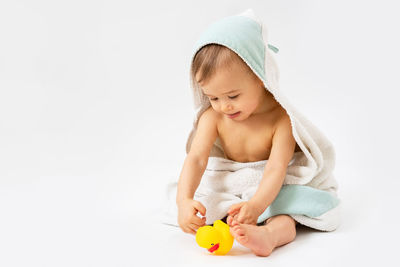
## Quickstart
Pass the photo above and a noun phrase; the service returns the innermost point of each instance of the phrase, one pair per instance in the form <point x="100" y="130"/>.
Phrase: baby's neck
<point x="267" y="104"/>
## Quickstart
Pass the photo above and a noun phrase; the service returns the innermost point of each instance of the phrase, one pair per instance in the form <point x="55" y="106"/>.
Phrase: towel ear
<point x="249" y="13"/>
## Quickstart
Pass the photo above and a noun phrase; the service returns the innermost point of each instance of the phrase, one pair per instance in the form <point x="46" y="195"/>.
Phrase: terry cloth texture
<point x="311" y="168"/>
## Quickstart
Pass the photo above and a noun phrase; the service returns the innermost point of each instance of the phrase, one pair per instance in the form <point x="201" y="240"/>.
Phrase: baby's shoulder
<point x="210" y="116"/>
<point x="282" y="119"/>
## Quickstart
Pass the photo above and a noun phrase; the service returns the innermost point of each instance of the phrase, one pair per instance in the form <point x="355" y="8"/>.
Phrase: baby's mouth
<point x="233" y="115"/>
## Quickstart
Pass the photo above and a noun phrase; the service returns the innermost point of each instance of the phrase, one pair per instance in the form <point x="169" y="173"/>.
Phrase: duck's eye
<point x="212" y="244"/>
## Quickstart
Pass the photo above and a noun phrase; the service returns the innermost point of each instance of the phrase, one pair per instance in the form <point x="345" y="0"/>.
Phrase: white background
<point x="95" y="109"/>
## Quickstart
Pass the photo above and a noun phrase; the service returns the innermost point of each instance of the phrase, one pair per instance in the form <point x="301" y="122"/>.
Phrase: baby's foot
<point x="257" y="238"/>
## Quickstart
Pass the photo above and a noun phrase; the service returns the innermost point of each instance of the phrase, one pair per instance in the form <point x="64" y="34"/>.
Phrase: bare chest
<point x="246" y="142"/>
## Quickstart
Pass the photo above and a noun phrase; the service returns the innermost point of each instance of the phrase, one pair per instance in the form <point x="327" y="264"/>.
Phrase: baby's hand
<point x="242" y="213"/>
<point x="187" y="215"/>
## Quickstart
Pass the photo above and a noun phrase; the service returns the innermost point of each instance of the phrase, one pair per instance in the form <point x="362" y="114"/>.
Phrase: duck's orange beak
<point x="214" y="248"/>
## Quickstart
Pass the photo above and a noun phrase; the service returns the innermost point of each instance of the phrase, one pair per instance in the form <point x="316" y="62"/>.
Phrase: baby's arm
<point x="193" y="168"/>
<point x="283" y="146"/>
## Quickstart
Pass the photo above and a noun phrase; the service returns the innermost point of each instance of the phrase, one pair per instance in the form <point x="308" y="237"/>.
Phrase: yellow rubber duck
<point x="216" y="239"/>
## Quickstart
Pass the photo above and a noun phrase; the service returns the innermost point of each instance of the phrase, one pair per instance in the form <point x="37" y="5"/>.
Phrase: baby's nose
<point x="227" y="107"/>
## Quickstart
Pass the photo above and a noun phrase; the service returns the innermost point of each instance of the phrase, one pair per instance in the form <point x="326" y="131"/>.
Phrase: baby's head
<point x="228" y="82"/>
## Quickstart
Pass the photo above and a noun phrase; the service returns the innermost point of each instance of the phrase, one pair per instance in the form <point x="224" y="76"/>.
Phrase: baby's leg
<point x="278" y="231"/>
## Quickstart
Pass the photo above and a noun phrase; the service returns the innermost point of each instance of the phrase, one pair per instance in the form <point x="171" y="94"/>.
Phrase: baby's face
<point x="234" y="92"/>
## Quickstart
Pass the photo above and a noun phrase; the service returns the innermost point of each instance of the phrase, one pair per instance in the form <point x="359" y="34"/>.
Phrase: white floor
<point x="89" y="221"/>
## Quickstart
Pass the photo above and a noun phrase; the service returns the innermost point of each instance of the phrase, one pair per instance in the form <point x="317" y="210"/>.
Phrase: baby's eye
<point x="232" y="97"/>
<point x="213" y="99"/>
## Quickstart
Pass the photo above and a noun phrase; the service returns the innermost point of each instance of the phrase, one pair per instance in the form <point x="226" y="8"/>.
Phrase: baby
<point x="252" y="126"/>
<point x="252" y="158"/>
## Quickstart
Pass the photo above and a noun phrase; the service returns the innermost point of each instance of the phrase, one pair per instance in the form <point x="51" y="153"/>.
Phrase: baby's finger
<point x="243" y="218"/>
<point x="235" y="208"/>
<point x="200" y="208"/>
<point x="193" y="227"/>
<point x="234" y="222"/>
<point x="199" y="221"/>
<point x="188" y="230"/>
<point x="229" y="220"/>
<point x="240" y="217"/>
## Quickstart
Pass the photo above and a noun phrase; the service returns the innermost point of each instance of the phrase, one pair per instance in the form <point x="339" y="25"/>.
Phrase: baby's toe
<point x="234" y="230"/>
<point x="243" y="240"/>
<point x="240" y="231"/>
<point x="237" y="231"/>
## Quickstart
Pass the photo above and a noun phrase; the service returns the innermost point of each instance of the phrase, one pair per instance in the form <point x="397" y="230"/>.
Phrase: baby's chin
<point x="243" y="117"/>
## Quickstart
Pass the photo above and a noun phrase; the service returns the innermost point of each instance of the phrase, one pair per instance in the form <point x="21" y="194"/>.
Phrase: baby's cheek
<point x="214" y="106"/>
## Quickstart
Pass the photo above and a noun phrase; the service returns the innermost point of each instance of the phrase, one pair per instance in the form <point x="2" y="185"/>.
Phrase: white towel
<point x="226" y="182"/>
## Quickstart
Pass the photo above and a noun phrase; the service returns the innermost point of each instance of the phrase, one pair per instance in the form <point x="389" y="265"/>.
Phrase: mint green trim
<point x="300" y="200"/>
<point x="273" y="48"/>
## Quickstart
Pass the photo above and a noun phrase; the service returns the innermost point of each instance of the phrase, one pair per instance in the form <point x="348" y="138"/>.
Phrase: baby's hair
<point x="209" y="59"/>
